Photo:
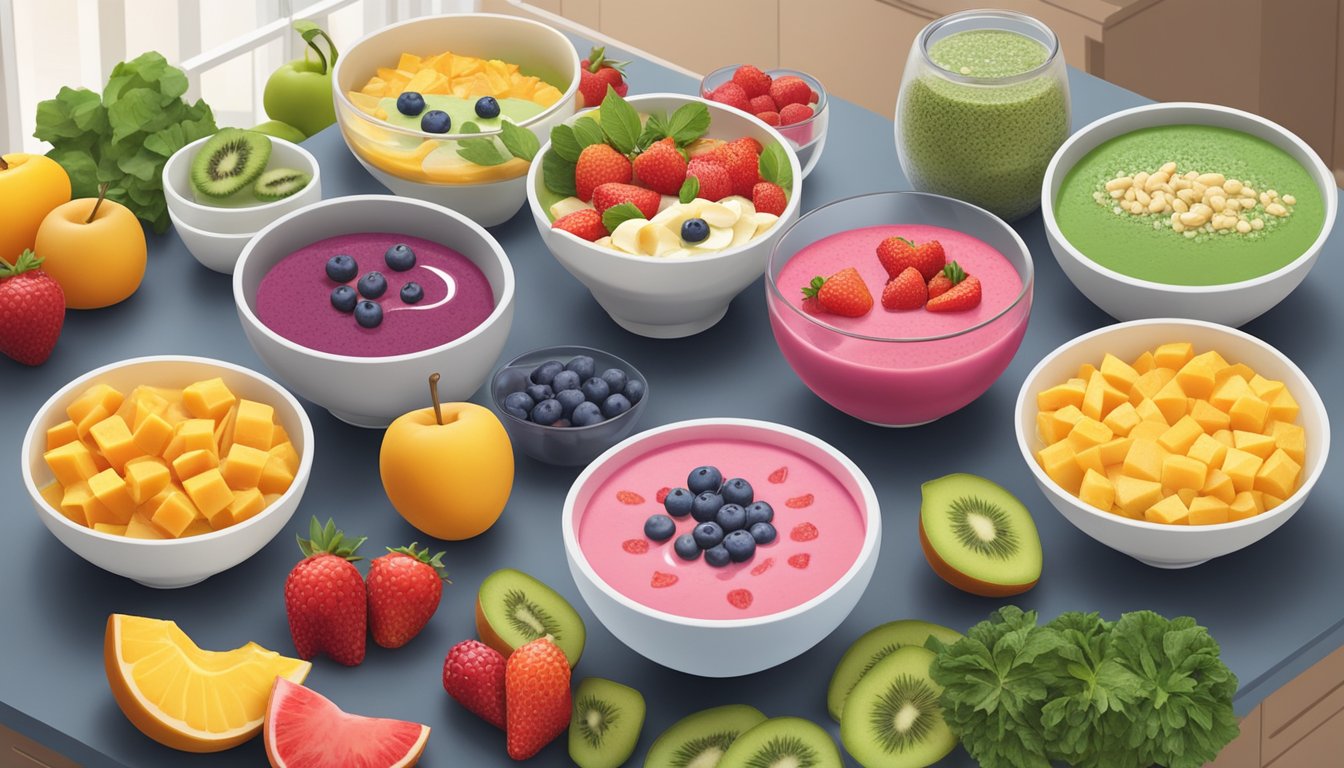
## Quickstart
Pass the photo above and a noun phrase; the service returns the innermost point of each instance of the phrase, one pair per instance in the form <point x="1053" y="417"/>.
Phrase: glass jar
<point x="984" y="104"/>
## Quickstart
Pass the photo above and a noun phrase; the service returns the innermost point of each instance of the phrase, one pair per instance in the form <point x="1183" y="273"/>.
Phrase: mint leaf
<point x="775" y="168"/>
<point x="688" y="123"/>
<point x="564" y="143"/>
<point x="620" y="122"/>
<point x="689" y="189"/>
<point x="558" y="174"/>
<point x="616" y="215"/>
<point x="481" y="152"/>
<point x="587" y="132"/>
<point x="520" y="142"/>
<point x="655" y="129"/>
<point x="469" y="127"/>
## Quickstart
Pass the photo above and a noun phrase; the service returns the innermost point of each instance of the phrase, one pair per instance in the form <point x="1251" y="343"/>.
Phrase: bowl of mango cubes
<point x="1172" y="441"/>
<point x="167" y="470"/>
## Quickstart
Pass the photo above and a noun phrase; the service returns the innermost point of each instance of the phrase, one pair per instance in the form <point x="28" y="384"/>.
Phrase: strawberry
<point x="536" y="687"/>
<point x="763" y="566"/>
<point x="585" y="224"/>
<point x="762" y="103"/>
<point x="769" y="118"/>
<point x="790" y="90"/>
<point x="715" y="183"/>
<point x="947" y="277"/>
<point x="905" y="291"/>
<point x="769" y="198"/>
<point x="794" y="113"/>
<point x="599" y="164"/>
<point x="607" y="195"/>
<point x="324" y="597"/>
<point x="779" y="475"/>
<point x="629" y="497"/>
<point x="32" y="310"/>
<point x="755" y="145"/>
<point x="964" y="294"/>
<point x="800" y="502"/>
<point x="800" y="561"/>
<point x="752" y="80"/>
<point x="662" y="580"/>
<point x="897" y="253"/>
<point x="597" y="72"/>
<point x="635" y="546"/>
<point x="803" y="532"/>
<point x="740" y="598"/>
<point x="843" y="293"/>
<point x="731" y="93"/>
<point x="473" y="674"/>
<point x="742" y="163"/>
<point x="404" y="587"/>
<point x="661" y="168"/>
<point x="661" y="495"/>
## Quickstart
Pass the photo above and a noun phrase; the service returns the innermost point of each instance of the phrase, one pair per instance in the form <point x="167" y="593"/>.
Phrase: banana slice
<point x="744" y="230"/>
<point x="764" y="221"/>
<point x="604" y="242"/>
<point x="679" y="253"/>
<point x="656" y="240"/>
<point x="567" y="206"/>
<point x="719" y="238"/>
<point x="721" y="215"/>
<point x="745" y="205"/>
<point x="626" y="236"/>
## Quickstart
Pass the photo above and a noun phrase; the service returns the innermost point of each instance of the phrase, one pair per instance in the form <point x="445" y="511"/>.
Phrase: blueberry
<point x="565" y="380"/>
<point x="615" y="405"/>
<point x="659" y="527"/>
<point x="540" y="392"/>
<point x="545" y="373"/>
<point x="634" y="391"/>
<point x="547" y="412"/>
<point x="412" y="293"/>
<point x="410" y="103"/>
<point x="582" y="365"/>
<point x="694" y="230"/>
<point x="708" y="534"/>
<point x="518" y="404"/>
<point x="706" y="505"/>
<point x="596" y="390"/>
<point x="737" y="491"/>
<point x="731" y="517"/>
<point x="740" y="545"/>
<point x="569" y="400"/>
<point x="342" y="268"/>
<point x="615" y="379"/>
<point x="372" y="285"/>
<point x="435" y="121"/>
<point x="763" y="533"/>
<point x="685" y="547"/>
<point x="399" y="257"/>
<point x="369" y="314"/>
<point x="717" y="557"/>
<point x="344" y="298"/>
<point x="678" y="502"/>
<point x="759" y="512"/>
<point x="704" y="479"/>
<point x="487" y="107"/>
<point x="586" y="414"/>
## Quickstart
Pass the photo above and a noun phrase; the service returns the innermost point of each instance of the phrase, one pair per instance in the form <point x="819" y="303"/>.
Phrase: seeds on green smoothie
<point x="1193" y="203"/>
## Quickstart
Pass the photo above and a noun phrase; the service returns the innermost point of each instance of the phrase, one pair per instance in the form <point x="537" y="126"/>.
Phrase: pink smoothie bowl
<point x="900" y="379"/>
<point x="794" y="608"/>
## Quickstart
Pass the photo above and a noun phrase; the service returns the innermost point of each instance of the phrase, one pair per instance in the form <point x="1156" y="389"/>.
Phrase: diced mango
<point x="1171" y="511"/>
<point x="1135" y="496"/>
<point x="1206" y="510"/>
<point x="1207" y="451"/>
<point x="62" y="433"/>
<point x="1060" y="395"/>
<point x="1173" y="355"/>
<point x="209" y="399"/>
<point x="193" y="463"/>
<point x="288" y="454"/>
<point x="208" y="492"/>
<point x="152" y="434"/>
<point x="148" y="402"/>
<point x="1224" y="436"/>
<point x="97" y="414"/>
<point x="1099" y="398"/>
<point x="114" y="441"/>
<point x="1284" y="407"/>
<point x="1225" y="395"/>
<point x="1278" y="475"/>
<point x="196" y="435"/>
<point x="224" y="431"/>
<point x="71" y="463"/>
<point x="1243" y="506"/>
<point x="1148" y="411"/>
<point x="1097" y="490"/>
<point x="1271" y="501"/>
<point x="279" y="435"/>
<point x="1118" y="373"/>
<point x="1240" y="369"/>
<point x="1197" y="376"/>
<point x="1148" y="430"/>
<point x="245" y="504"/>
<point x="254" y="424"/>
<point x="1186" y="495"/>
<point x="174" y="514"/>
<point x="98" y="397"/>
<point x="1265" y="389"/>
<point x="1181" y="472"/>
<point x="1144" y="362"/>
<point x="74" y="501"/>
<point x="1210" y="419"/>
<point x="1122" y="419"/>
<point x="276" y="477"/>
<point x="145" y="477"/>
<point x="1242" y="467"/>
<point x="110" y="490"/>
<point x="115" y="530"/>
<point x="1219" y="486"/>
<point x="1088" y="432"/>
<point x="242" y="468"/>
<point x="1171" y="400"/>
<point x="1180" y="436"/>
<point x="1291" y="439"/>
<point x="1049" y="430"/>
<point x="1253" y="442"/>
<point x="1249" y="413"/>
<point x="1150" y="383"/>
<point x="1144" y="460"/>
<point x="140" y="528"/>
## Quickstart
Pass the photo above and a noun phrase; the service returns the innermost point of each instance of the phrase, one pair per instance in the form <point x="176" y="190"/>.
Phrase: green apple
<point x="299" y="93"/>
<point x="280" y="131"/>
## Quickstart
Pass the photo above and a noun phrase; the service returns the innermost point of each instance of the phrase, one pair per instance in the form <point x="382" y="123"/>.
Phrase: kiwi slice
<point x="279" y="183"/>
<point x="229" y="161"/>
<point x="513" y="609"/>
<point x="873" y="646"/>
<point x="700" y="740"/>
<point x="978" y="536"/>
<point x="892" y="718"/>
<point x="605" y="726"/>
<point x="783" y="742"/>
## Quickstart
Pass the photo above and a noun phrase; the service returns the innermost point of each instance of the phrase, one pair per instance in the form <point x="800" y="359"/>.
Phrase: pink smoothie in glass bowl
<point x="907" y="367"/>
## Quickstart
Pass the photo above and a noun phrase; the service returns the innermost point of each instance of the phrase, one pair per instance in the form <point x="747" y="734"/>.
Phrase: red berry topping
<point x="905" y="291"/>
<point x="629" y="497"/>
<point x="731" y="94"/>
<point x="662" y="580"/>
<point x="752" y="80"/>
<point x="763" y="566"/>
<point x="790" y="90"/>
<point x="715" y="183"/>
<point x="599" y="164"/>
<point x="794" y="113"/>
<point x="843" y="293"/>
<point x="763" y="103"/>
<point x="585" y="224"/>
<point x="661" y="496"/>
<point x="897" y="253"/>
<point x="963" y="291"/>
<point x="799" y="502"/>
<point x="740" y="598"/>
<point x="635" y="546"/>
<point x="779" y="475"/>
<point x="661" y="168"/>
<point x="803" y="532"/>
<point x="612" y="194"/>
<point x="768" y="197"/>
<point x="800" y="561"/>
<point x="769" y="118"/>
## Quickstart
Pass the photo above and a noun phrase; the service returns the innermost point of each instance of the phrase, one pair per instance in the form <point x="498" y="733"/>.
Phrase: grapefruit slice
<point x="304" y="729"/>
<point x="184" y="697"/>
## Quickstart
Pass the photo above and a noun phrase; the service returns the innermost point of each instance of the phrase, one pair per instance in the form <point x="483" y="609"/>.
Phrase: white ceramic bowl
<point x="1172" y="546"/>
<point x="169" y="563"/>
<point x="537" y="49"/>
<point x="215" y="251"/>
<point x="1128" y="298"/>
<point x="186" y="208"/>
<point x="372" y="391"/>
<point x="740" y="646"/>
<point x="670" y="297"/>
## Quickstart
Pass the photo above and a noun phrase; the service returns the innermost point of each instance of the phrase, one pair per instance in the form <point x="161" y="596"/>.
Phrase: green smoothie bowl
<point x="1187" y="210"/>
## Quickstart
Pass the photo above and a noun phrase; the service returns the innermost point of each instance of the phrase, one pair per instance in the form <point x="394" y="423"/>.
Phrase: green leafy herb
<point x="688" y="123"/>
<point x="689" y="189"/>
<point x="124" y="137"/>
<point x="564" y="143"/>
<point x="775" y="168"/>
<point x="558" y="174"/>
<point x="587" y="132"/>
<point x="482" y="151"/>
<point x="520" y="142"/>
<point x="619" y="214"/>
<point x="620" y="122"/>
<point x="655" y="129"/>
<point x="469" y="127"/>
<point x="1089" y="713"/>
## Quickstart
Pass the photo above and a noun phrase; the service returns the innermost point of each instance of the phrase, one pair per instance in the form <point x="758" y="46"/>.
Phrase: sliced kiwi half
<point x="700" y="740"/>
<point x="978" y="537"/>
<point x="513" y="609"/>
<point x="783" y="742"/>
<point x="604" y="728"/>
<point x="872" y="647"/>
<point x="892" y="718"/>
<point x="279" y="183"/>
<point x="229" y="161"/>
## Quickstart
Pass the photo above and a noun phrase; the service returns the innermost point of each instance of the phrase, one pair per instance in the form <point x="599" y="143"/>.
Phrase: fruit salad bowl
<point x="757" y="611"/>
<point x="669" y="296"/>
<point x="888" y="373"/>
<point x="413" y="162"/>
<point x="1158" y="544"/>
<point x="169" y="563"/>
<point x="370" y="390"/>
<point x="808" y="135"/>
<point x="198" y="212"/>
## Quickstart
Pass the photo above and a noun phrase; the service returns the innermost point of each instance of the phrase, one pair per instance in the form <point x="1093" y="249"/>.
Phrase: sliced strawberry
<point x="804" y="532"/>
<point x="635" y="546"/>
<point x="779" y="475"/>
<point x="763" y="566"/>
<point x="629" y="497"/>
<point x="800" y="502"/>
<point x="661" y="496"/>
<point x="611" y="194"/>
<point x="585" y="224"/>
<point x="800" y="561"/>
<point x="740" y="599"/>
<point x="662" y="580"/>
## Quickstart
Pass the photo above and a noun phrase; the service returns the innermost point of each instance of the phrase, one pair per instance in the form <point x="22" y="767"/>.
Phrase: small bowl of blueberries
<point x="566" y="405"/>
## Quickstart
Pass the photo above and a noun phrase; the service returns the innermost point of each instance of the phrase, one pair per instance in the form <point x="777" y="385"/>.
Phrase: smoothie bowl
<point x="797" y="110"/>
<point x="662" y="242"/>
<point x="354" y="301"/>
<point x="899" y="308"/>
<point x="1192" y="210"/>
<point x="750" y="538"/>
<point x="439" y="108"/>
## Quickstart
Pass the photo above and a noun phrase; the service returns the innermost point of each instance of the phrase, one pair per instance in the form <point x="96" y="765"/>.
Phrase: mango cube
<point x="1283" y="407"/>
<point x="1278" y="475"/>
<point x="1144" y="460"/>
<point x="1097" y="491"/>
<point x="152" y="434"/>
<point x="254" y="424"/>
<point x="1060" y="395"/>
<point x="71" y="463"/>
<point x="1206" y="510"/>
<point x="224" y="431"/>
<point x="1229" y="392"/>
<point x="1148" y="411"/>
<point x="1243" y="506"/>
<point x="74" y="502"/>
<point x="140" y="528"/>
<point x="1224" y="436"/>
<point x="145" y="477"/>
<point x="1150" y="383"/>
<point x="1107" y="454"/>
<point x="111" y="491"/>
<point x="242" y="467"/>
<point x="114" y="441"/>
<point x="245" y="504"/>
<point x="1061" y="423"/>
<point x="1099" y="398"/>
<point x="1122" y="419"/>
<point x="1253" y="442"/>
<point x="1144" y="362"/>
<point x="1118" y="373"/>
<point x="1210" y="419"/>
<point x="208" y="492"/>
<point x="1270" y="501"/>
<point x="193" y="463"/>
<point x="1219" y="486"/>
<point x="278" y="435"/>
<point x="1239" y="369"/>
<point x="115" y="530"/>
<point x="62" y="433"/>
<point x="1088" y="432"/>
<point x="1207" y="451"/>
<point x="1135" y="496"/>
<point x="100" y="398"/>
<point x="276" y="477"/>
<point x="174" y="514"/>
<point x="196" y="435"/>
<point x="1242" y="467"/>
<point x="1197" y="377"/>
<point x="1265" y="389"/>
<point x="209" y="399"/>
<point x="287" y="454"/>
<point x="1291" y="439"/>
<point x="1171" y="400"/>
<point x="1170" y="510"/>
<point x="1249" y="413"/>
<point x="1174" y="355"/>
<point x="1180" y="436"/>
<point x="1049" y="430"/>
<point x="1181" y="472"/>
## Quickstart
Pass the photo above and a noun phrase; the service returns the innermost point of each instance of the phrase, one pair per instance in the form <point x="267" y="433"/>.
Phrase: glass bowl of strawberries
<point x="791" y="102"/>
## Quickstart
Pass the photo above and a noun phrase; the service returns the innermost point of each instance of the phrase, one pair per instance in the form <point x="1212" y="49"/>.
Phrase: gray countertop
<point x="1273" y="607"/>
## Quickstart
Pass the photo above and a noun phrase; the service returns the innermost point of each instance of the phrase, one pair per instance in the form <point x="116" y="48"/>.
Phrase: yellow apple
<point x="95" y="248"/>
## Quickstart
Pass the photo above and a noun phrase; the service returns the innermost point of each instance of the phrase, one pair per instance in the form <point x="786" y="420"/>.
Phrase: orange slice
<point x="185" y="697"/>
